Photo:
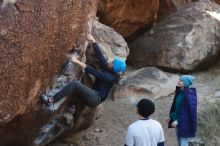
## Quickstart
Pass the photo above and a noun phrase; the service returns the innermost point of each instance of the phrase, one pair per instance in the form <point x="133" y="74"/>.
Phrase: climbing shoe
<point x="48" y="100"/>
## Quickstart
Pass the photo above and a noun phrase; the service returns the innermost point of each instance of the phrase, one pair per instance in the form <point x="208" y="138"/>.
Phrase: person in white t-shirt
<point x="145" y="131"/>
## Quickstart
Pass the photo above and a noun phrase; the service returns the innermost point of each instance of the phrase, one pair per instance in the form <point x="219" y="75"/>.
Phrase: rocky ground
<point x="110" y="129"/>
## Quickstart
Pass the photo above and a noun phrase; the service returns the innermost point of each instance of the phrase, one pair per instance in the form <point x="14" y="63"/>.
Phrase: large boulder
<point x="147" y="82"/>
<point x="35" y="37"/>
<point x="128" y="17"/>
<point x="185" y="41"/>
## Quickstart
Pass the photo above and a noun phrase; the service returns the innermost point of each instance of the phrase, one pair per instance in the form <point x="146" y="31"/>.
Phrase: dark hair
<point x="145" y="107"/>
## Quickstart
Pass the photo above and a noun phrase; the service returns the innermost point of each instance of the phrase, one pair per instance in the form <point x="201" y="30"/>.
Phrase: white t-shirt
<point x="144" y="133"/>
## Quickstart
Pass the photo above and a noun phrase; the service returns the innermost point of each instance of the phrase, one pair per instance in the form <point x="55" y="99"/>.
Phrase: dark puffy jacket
<point x="105" y="78"/>
<point x="187" y="122"/>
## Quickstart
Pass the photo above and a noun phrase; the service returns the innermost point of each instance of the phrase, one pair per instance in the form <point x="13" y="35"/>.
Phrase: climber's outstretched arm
<point x="76" y="61"/>
<point x="103" y="62"/>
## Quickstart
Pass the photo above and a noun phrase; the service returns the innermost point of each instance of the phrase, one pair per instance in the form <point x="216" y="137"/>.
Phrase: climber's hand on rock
<point x="74" y="60"/>
<point x="90" y="37"/>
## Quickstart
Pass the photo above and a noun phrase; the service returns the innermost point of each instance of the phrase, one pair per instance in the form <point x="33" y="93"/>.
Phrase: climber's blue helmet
<point x="187" y="80"/>
<point x="119" y="65"/>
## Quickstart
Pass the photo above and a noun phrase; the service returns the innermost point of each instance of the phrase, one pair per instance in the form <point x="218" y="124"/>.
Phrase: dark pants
<point x="89" y="96"/>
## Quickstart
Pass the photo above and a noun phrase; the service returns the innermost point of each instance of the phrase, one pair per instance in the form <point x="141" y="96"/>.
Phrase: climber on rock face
<point x="105" y="79"/>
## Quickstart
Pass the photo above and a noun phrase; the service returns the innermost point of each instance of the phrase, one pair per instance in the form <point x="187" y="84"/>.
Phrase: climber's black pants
<point x="89" y="96"/>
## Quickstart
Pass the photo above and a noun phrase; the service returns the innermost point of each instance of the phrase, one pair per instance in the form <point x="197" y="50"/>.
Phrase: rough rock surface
<point x="127" y="17"/>
<point x="180" y="3"/>
<point x="147" y="82"/>
<point x="35" y="37"/>
<point x="167" y="7"/>
<point x="186" y="40"/>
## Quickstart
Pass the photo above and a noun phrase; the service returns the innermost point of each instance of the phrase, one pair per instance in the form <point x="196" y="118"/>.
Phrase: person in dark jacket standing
<point x="183" y="112"/>
<point x="104" y="80"/>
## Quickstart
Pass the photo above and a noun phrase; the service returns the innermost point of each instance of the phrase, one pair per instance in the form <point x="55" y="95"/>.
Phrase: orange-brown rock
<point x="35" y="37"/>
<point x="128" y="16"/>
<point x="217" y="1"/>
